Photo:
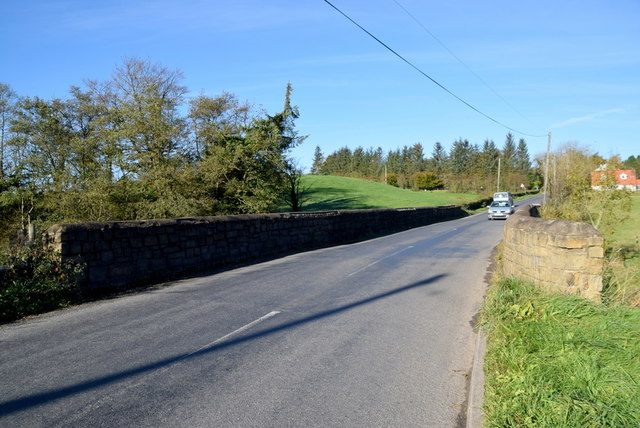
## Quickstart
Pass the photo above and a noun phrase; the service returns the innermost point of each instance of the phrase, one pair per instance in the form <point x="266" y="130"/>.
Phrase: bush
<point x="392" y="180"/>
<point x="426" y="181"/>
<point x="33" y="280"/>
<point x="476" y="205"/>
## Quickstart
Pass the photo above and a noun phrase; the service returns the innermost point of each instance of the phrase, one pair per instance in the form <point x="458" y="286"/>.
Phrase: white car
<point x="503" y="196"/>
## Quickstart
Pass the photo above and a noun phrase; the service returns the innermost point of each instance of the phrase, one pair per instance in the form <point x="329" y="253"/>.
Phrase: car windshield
<point x="504" y="204"/>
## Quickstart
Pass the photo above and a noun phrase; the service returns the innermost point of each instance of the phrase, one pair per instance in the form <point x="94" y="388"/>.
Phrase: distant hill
<point x="327" y="192"/>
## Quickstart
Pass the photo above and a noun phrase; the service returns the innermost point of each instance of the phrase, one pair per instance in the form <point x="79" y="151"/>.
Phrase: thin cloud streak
<point x="587" y="117"/>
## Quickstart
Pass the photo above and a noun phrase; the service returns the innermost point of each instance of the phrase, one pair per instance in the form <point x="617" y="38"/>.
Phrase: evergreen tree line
<point x="466" y="167"/>
<point x="134" y="147"/>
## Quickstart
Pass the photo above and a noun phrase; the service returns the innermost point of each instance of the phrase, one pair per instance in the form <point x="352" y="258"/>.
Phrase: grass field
<point x="627" y="234"/>
<point x="622" y="273"/>
<point x="332" y="193"/>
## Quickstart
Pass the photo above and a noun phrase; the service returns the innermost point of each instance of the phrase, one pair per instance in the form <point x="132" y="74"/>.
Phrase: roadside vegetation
<point x="556" y="360"/>
<point x="135" y="147"/>
<point x="34" y="280"/>
<point x="615" y="213"/>
<point x="622" y="271"/>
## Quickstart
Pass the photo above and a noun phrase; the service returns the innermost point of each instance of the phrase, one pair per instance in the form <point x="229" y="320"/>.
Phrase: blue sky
<point x="567" y="67"/>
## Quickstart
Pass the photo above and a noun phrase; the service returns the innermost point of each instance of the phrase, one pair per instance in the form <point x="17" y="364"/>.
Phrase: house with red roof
<point x="622" y="179"/>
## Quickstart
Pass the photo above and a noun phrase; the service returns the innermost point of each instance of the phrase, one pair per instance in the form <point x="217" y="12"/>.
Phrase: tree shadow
<point x="336" y="204"/>
<point x="34" y="400"/>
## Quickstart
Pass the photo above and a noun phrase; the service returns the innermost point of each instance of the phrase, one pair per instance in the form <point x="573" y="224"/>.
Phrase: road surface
<point x="377" y="333"/>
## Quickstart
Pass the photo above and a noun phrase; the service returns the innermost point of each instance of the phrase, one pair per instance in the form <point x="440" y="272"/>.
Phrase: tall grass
<point x="559" y="361"/>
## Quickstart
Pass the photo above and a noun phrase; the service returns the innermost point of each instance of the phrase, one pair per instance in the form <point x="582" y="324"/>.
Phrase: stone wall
<point x="556" y="254"/>
<point x="129" y="252"/>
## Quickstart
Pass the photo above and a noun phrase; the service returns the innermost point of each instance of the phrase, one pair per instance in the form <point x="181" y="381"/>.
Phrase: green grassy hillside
<point x="332" y="193"/>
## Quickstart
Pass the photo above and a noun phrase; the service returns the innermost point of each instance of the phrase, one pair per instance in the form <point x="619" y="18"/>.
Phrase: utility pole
<point x="498" y="185"/>
<point x="546" y="171"/>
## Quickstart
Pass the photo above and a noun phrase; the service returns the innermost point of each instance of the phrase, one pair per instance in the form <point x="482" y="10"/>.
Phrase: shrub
<point x="34" y="280"/>
<point x="392" y="180"/>
<point x="426" y="181"/>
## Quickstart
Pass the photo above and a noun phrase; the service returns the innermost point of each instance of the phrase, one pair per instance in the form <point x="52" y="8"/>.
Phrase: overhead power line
<point x="459" y="60"/>
<point x="425" y="74"/>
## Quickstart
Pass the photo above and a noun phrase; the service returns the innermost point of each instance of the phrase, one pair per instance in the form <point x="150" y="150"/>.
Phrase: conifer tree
<point x="318" y="161"/>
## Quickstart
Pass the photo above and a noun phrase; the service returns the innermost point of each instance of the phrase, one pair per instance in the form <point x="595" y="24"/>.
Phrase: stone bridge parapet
<point x="129" y="252"/>
<point x="559" y="255"/>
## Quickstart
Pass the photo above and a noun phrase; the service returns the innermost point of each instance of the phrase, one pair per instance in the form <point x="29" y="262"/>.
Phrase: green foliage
<point x="627" y="232"/>
<point x="613" y="212"/>
<point x="632" y="162"/>
<point x="488" y="159"/>
<point x="571" y="195"/>
<point x="559" y="361"/>
<point x="7" y="101"/>
<point x="318" y="160"/>
<point x="570" y="174"/>
<point x="508" y="158"/>
<point x="34" y="280"/>
<point x="622" y="263"/>
<point x="426" y="181"/>
<point x="121" y="149"/>
<point x="621" y="278"/>
<point x="392" y="179"/>
<point x="466" y="168"/>
<point x="522" y="163"/>
<point x="359" y="163"/>
<point x="462" y="158"/>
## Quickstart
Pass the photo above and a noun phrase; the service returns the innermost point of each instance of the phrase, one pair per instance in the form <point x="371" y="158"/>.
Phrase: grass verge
<point x="558" y="360"/>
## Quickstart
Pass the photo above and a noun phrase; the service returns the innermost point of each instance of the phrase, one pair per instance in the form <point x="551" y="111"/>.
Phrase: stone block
<point x="107" y="256"/>
<point x="150" y="240"/>
<point x="102" y="244"/>
<point x="97" y="273"/>
<point x="596" y="252"/>
<point x="120" y="269"/>
<point x="556" y="254"/>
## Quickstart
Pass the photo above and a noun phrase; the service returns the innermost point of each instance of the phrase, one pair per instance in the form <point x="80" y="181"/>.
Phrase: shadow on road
<point x="33" y="400"/>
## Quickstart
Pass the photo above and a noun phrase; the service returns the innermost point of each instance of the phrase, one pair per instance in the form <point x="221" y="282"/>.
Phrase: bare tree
<point x="297" y="193"/>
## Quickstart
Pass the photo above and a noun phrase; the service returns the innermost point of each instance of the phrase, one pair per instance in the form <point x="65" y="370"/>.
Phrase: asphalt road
<point x="373" y="334"/>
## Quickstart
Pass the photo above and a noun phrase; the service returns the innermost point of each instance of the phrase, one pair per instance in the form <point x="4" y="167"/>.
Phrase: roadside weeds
<point x="558" y="360"/>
